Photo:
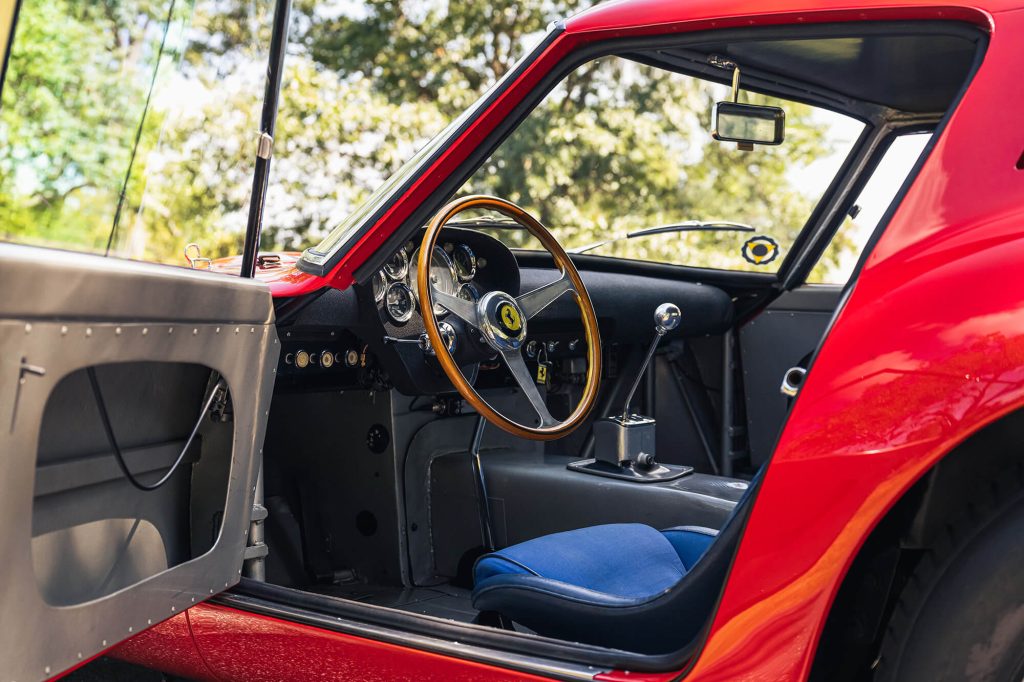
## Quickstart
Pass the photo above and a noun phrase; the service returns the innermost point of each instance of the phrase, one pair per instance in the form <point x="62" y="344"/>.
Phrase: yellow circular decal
<point x="760" y="250"/>
<point x="510" y="317"/>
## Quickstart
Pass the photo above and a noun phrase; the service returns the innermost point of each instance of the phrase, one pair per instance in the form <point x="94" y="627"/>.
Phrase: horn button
<point x="501" y="321"/>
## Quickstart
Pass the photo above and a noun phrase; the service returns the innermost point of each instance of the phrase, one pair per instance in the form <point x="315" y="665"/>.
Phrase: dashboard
<point x="371" y="335"/>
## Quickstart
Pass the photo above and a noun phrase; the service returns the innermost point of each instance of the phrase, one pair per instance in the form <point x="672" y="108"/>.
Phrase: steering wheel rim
<point x="502" y="320"/>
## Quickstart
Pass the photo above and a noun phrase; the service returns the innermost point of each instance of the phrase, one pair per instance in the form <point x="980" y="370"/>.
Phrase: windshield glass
<point x="619" y="147"/>
<point x="343" y="236"/>
<point x="619" y="161"/>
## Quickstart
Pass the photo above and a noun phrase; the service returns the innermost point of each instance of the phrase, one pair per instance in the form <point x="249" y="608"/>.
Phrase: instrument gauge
<point x="465" y="262"/>
<point x="380" y="285"/>
<point x="399" y="302"/>
<point x="397" y="266"/>
<point x="468" y="292"/>
<point x="442" y="275"/>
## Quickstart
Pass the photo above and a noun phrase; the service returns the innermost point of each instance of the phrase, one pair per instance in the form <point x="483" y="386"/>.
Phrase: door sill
<point x="514" y="650"/>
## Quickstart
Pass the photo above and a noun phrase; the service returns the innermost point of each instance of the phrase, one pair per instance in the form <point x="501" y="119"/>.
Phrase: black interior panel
<point x="625" y="305"/>
<point x="782" y="336"/>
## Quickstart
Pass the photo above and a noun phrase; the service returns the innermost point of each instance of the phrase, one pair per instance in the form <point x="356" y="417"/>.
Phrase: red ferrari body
<point x="927" y="349"/>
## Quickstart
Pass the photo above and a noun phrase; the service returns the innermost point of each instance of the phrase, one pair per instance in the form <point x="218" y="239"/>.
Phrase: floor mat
<point x="443" y="601"/>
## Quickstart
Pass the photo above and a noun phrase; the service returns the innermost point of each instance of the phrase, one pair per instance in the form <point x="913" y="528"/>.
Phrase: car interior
<point x="553" y="456"/>
<point x="374" y="468"/>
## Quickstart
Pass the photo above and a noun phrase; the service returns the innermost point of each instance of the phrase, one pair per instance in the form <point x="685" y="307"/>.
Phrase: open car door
<point x="112" y="371"/>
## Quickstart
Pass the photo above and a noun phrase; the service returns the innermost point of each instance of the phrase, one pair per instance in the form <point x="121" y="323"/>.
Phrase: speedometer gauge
<point x="399" y="302"/>
<point x="442" y="275"/>
<point x="465" y="262"/>
<point x="397" y="266"/>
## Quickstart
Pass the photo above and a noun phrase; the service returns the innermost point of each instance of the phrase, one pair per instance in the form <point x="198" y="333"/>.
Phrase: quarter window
<point x="840" y="258"/>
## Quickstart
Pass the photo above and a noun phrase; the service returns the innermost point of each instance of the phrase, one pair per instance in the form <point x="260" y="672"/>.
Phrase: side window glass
<point x="838" y="261"/>
<point x="119" y="118"/>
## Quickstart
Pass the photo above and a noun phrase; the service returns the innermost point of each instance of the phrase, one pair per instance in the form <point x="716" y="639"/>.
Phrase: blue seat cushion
<point x="614" y="565"/>
<point x="690" y="542"/>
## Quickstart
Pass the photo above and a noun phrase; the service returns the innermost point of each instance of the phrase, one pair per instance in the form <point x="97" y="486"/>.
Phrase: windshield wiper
<point x="687" y="226"/>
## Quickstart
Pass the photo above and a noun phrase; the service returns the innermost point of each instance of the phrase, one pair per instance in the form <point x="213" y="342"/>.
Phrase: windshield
<point x="619" y="147"/>
<point x="619" y="161"/>
<point x="344" y="235"/>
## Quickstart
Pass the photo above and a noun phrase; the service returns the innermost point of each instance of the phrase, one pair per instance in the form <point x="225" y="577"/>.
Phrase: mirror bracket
<point x="723" y="63"/>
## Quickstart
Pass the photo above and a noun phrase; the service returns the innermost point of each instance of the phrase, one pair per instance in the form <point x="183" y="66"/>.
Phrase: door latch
<point x="792" y="380"/>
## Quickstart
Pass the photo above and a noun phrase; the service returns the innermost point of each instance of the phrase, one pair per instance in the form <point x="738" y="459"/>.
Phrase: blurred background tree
<point x="617" y="146"/>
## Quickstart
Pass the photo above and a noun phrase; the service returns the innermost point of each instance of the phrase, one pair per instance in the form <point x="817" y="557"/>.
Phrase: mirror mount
<point x="745" y="124"/>
<point x="723" y="63"/>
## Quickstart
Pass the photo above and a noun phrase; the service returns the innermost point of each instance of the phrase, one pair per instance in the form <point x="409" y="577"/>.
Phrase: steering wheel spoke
<point x="459" y="307"/>
<point x="532" y="302"/>
<point x="517" y="366"/>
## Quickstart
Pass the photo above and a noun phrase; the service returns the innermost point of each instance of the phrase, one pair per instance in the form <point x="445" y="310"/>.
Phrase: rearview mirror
<point x="748" y="124"/>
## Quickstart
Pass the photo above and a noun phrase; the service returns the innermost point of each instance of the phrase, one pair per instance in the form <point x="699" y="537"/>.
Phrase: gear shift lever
<point x="666" y="318"/>
<point x="624" y="445"/>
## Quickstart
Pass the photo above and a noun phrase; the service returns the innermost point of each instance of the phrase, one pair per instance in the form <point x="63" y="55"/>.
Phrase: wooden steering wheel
<point x="501" y="319"/>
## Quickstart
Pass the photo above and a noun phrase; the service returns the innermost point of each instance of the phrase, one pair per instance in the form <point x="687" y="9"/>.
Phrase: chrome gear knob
<point x="666" y="318"/>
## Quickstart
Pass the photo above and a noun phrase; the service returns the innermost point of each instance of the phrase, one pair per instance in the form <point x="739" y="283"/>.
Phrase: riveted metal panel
<point x="80" y="314"/>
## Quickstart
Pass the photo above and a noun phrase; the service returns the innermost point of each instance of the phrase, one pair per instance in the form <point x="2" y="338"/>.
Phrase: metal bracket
<point x="194" y="256"/>
<point x="23" y="369"/>
<point x="723" y="63"/>
<point x="265" y="146"/>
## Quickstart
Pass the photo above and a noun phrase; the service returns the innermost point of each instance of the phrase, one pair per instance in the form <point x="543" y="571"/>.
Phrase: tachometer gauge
<point x="397" y="266"/>
<point x="468" y="292"/>
<point x="379" y="286"/>
<point x="399" y="302"/>
<point x="465" y="262"/>
<point x="442" y="275"/>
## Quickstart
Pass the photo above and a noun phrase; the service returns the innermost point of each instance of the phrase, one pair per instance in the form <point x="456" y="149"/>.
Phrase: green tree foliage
<point x="617" y="146"/>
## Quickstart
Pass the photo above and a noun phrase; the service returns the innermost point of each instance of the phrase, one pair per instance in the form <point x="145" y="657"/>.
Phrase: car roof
<point x="652" y="15"/>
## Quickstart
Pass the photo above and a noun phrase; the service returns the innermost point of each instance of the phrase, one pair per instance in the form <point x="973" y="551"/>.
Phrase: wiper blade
<point x="686" y="226"/>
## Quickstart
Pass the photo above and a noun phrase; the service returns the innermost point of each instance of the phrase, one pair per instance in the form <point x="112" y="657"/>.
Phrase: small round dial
<point x="469" y="292"/>
<point x="397" y="266"/>
<point x="465" y="262"/>
<point x="442" y="275"/>
<point x="380" y="285"/>
<point x="399" y="302"/>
